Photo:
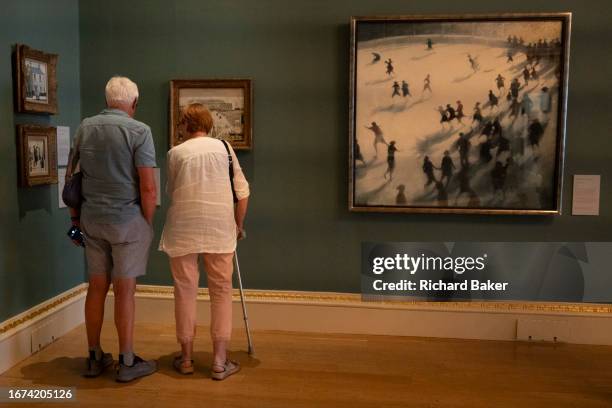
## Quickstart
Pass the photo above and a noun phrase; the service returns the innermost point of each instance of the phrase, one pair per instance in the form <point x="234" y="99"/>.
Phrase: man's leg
<point x="94" y="308"/>
<point x="99" y="264"/>
<point x="130" y="254"/>
<point x="125" y="289"/>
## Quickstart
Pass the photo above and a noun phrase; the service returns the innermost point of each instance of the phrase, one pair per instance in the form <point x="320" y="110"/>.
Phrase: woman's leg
<point x="186" y="277"/>
<point x="219" y="269"/>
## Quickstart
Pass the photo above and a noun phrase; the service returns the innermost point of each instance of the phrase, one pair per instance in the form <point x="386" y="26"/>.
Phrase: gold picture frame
<point x="419" y="45"/>
<point x="35" y="81"/>
<point x="229" y="101"/>
<point x="37" y="155"/>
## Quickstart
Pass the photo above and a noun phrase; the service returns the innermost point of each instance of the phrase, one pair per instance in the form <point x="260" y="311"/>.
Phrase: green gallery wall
<point x="301" y="235"/>
<point x="36" y="260"/>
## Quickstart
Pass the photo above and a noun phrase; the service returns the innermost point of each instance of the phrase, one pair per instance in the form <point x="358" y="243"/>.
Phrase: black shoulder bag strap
<point x="231" y="169"/>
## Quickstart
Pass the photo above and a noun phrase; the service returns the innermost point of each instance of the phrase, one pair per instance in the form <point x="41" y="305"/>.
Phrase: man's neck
<point x="124" y="108"/>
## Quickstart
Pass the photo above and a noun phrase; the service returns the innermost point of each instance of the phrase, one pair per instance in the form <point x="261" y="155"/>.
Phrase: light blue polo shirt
<point x="111" y="146"/>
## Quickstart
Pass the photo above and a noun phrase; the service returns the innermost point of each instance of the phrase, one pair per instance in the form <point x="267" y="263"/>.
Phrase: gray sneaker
<point x="97" y="367"/>
<point x="140" y="368"/>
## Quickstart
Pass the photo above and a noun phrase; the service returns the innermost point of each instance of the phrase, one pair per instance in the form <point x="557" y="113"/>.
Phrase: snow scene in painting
<point x="457" y="114"/>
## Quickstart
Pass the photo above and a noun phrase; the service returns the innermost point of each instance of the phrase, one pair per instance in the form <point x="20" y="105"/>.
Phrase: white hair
<point x="120" y="90"/>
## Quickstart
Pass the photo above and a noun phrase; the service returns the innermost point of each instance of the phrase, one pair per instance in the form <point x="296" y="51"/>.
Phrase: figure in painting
<point x="378" y="136"/>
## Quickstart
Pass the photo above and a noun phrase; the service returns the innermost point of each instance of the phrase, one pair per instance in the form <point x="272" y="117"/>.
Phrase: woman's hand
<point x="240" y="232"/>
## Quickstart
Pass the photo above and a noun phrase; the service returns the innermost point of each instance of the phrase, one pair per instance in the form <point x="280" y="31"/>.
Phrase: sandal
<point x="180" y="367"/>
<point x="229" y="367"/>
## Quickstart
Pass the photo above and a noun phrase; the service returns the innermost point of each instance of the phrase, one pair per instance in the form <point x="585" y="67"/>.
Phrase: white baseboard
<point x="42" y="324"/>
<point x="324" y="312"/>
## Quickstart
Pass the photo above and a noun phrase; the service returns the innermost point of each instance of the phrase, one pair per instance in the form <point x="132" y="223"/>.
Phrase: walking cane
<point x="244" y="311"/>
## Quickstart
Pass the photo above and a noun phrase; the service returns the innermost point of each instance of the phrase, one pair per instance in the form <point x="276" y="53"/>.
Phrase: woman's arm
<point x="241" y="188"/>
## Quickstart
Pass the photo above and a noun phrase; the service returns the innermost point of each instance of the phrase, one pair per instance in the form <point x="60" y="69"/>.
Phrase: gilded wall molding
<point x="355" y="300"/>
<point x="325" y="299"/>
<point x="42" y="308"/>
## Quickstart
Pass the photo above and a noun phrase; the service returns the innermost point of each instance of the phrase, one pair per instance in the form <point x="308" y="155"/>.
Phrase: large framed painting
<point x="35" y="80"/>
<point x="228" y="100"/>
<point x="37" y="155"/>
<point x="458" y="114"/>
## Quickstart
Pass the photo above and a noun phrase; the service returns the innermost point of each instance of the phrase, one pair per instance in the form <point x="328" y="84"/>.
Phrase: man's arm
<point x="148" y="192"/>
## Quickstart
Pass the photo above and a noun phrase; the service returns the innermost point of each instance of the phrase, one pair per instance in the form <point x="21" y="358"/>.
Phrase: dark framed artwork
<point x="35" y="80"/>
<point x="228" y="100"/>
<point x="37" y="151"/>
<point x="458" y="114"/>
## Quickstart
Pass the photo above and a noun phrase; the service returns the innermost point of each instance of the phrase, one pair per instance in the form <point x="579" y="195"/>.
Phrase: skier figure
<point x="515" y="86"/>
<point x="493" y="100"/>
<point x="389" y="66"/>
<point x="534" y="73"/>
<point x="427" y="84"/>
<point x="514" y="108"/>
<point x="358" y="155"/>
<point x="500" y="82"/>
<point x="451" y="112"/>
<point x="487" y="130"/>
<point x="396" y="89"/>
<point x="443" y="117"/>
<point x="477" y="113"/>
<point x="534" y="133"/>
<point x="496" y="128"/>
<point x="464" y="183"/>
<point x="526" y="105"/>
<point x="473" y="63"/>
<point x="400" y="198"/>
<point x="405" y="89"/>
<point x="460" y="113"/>
<point x="375" y="57"/>
<point x="498" y="178"/>
<point x="447" y="166"/>
<point x="545" y="100"/>
<point x="503" y="145"/>
<point x="463" y="144"/>
<point x="526" y="75"/>
<point x="429" y="44"/>
<point x="391" y="149"/>
<point x="485" y="151"/>
<point x="378" y="136"/>
<point x="428" y="169"/>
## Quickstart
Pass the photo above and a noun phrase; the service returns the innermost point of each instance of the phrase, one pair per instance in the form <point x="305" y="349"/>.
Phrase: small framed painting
<point x="229" y="102"/>
<point x="37" y="155"/>
<point x="458" y="113"/>
<point x="35" y="80"/>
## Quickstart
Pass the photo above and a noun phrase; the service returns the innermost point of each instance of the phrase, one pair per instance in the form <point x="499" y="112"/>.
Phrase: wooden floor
<point x="317" y="370"/>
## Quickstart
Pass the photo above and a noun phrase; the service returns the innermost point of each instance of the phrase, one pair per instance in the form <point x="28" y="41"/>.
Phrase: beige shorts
<point x="118" y="250"/>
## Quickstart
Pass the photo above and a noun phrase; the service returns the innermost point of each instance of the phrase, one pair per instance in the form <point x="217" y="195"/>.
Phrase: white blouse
<point x="201" y="214"/>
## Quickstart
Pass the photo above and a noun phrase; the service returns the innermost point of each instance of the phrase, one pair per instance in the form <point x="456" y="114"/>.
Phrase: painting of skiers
<point x="458" y="114"/>
<point x="229" y="102"/>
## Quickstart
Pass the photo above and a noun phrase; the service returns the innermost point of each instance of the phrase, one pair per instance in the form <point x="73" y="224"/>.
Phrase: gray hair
<point x="120" y="90"/>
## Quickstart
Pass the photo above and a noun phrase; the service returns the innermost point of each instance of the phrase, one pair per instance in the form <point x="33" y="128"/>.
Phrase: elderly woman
<point x="203" y="221"/>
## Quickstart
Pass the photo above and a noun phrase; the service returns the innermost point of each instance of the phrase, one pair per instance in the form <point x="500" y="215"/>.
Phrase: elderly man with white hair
<point x="117" y="157"/>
